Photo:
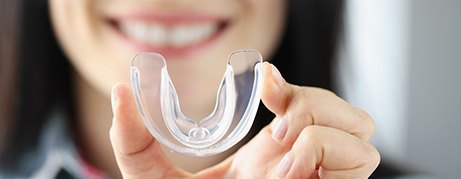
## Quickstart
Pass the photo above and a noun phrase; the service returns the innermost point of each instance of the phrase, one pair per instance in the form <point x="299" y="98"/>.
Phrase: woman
<point x="314" y="132"/>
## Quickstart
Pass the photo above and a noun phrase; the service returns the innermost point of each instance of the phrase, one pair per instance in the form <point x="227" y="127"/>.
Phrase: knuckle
<point x="315" y="93"/>
<point x="374" y="156"/>
<point x="307" y="93"/>
<point x="310" y="134"/>
<point x="323" y="92"/>
<point x="368" y="124"/>
<point x="327" y="92"/>
<point x="315" y="98"/>
<point x="267" y="130"/>
<point x="370" y="159"/>
<point x="305" y="117"/>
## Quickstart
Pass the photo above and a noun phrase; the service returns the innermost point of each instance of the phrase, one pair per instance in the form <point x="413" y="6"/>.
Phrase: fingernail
<point x="285" y="164"/>
<point x="280" y="130"/>
<point x="277" y="76"/>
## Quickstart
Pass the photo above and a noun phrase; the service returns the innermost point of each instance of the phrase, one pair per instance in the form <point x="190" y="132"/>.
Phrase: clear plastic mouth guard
<point x="237" y="102"/>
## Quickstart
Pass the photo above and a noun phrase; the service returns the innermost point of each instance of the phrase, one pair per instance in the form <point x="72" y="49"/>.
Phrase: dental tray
<point x="238" y="98"/>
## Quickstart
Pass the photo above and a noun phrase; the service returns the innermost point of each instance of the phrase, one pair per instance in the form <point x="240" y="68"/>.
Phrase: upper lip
<point x="167" y="18"/>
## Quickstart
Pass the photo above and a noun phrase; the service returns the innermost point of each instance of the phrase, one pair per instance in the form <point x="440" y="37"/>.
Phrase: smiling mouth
<point x="169" y="35"/>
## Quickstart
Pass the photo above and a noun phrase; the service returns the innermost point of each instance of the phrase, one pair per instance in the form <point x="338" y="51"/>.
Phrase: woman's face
<point x="196" y="37"/>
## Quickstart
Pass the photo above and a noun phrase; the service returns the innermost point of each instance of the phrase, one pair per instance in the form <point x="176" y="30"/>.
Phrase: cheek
<point x="81" y="33"/>
<point x="264" y="21"/>
<point x="73" y="25"/>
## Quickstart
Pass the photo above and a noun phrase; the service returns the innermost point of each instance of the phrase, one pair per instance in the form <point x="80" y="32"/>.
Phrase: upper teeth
<point x="161" y="35"/>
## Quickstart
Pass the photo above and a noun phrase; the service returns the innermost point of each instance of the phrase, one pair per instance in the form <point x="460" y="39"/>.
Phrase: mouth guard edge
<point x="238" y="98"/>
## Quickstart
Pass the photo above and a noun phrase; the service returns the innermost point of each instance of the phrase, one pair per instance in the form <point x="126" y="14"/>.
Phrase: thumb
<point x="276" y="93"/>
<point x="137" y="153"/>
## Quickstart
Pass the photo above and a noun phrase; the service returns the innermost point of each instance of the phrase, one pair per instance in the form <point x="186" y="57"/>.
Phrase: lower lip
<point x="169" y="51"/>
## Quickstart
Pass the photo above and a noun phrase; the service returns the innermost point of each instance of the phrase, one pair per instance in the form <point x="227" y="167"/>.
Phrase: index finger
<point x="297" y="107"/>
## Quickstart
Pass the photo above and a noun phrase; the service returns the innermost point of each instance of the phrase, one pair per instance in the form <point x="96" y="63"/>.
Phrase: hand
<point x="315" y="135"/>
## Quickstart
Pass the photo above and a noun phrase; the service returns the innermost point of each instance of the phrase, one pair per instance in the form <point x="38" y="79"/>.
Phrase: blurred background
<point x="401" y="61"/>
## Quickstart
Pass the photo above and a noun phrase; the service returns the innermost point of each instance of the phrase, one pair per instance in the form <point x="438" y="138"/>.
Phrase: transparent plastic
<point x="238" y="98"/>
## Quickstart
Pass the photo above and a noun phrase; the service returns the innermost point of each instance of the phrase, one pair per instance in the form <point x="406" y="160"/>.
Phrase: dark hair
<point x="307" y="50"/>
<point x="35" y="76"/>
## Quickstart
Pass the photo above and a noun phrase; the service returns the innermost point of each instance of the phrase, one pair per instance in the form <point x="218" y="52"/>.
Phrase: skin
<point x="316" y="133"/>
<point x="318" y="142"/>
<point x="100" y="60"/>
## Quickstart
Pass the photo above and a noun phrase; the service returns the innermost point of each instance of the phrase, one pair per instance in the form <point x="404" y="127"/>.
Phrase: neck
<point x="94" y="118"/>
